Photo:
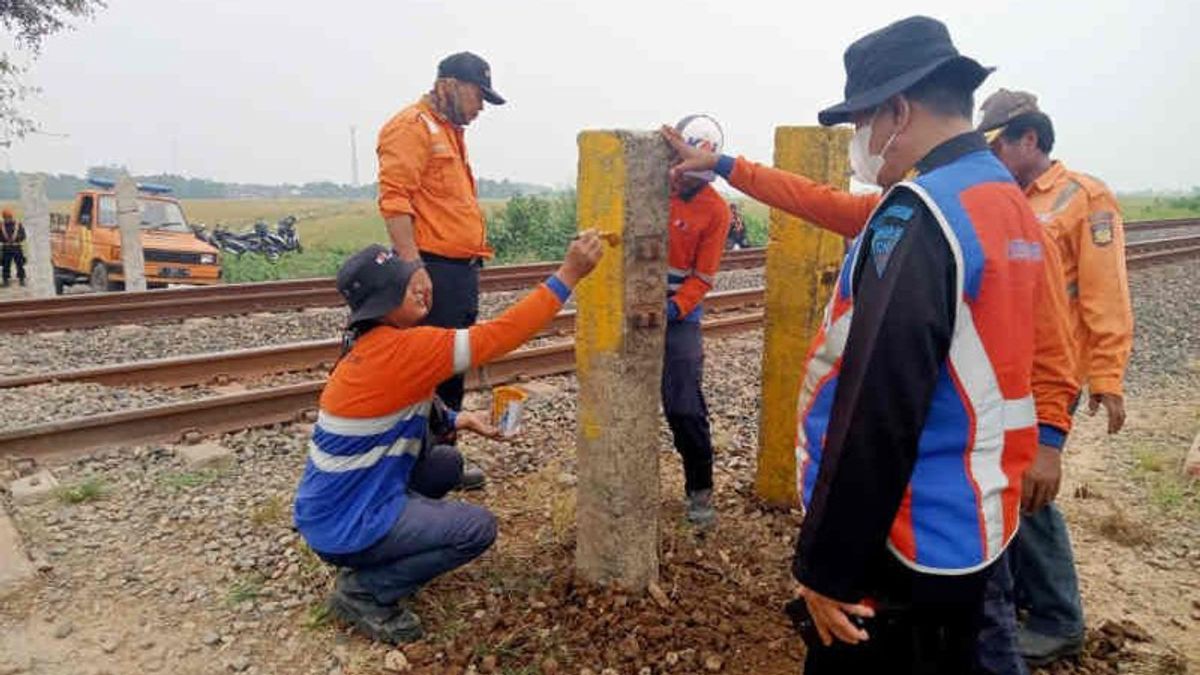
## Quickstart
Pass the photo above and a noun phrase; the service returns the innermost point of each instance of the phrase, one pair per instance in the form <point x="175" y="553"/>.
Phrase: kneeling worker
<point x="370" y="497"/>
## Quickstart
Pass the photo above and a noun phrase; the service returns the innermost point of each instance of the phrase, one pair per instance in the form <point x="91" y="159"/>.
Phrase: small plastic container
<point x="507" y="404"/>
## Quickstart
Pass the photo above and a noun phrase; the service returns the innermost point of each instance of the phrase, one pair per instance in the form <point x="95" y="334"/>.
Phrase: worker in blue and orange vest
<point x="942" y="363"/>
<point x="370" y="500"/>
<point x="699" y="223"/>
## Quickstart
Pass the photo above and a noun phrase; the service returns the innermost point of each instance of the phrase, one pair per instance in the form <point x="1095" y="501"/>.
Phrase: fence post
<point x="36" y="218"/>
<point x="802" y="264"/>
<point x="619" y="339"/>
<point x="129" y="219"/>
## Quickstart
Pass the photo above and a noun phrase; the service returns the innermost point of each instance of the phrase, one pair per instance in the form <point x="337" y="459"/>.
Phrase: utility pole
<point x="353" y="156"/>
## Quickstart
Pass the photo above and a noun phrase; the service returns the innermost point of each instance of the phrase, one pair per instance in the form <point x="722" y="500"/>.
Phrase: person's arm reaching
<point x="827" y="207"/>
<point x="489" y="340"/>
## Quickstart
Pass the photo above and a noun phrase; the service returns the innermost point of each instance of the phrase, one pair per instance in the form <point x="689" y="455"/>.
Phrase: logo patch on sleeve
<point x="1102" y="228"/>
<point x="886" y="231"/>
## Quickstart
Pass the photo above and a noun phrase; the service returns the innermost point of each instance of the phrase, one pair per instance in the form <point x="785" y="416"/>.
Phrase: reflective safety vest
<point x="960" y="509"/>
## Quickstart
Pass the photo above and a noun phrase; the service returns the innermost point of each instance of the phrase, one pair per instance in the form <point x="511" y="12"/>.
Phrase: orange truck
<point x="85" y="244"/>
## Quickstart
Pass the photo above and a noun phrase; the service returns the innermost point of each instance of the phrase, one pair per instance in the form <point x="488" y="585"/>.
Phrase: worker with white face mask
<point x="917" y="413"/>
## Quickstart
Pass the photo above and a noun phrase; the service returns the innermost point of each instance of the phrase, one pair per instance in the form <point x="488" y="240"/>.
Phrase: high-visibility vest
<point x="960" y="509"/>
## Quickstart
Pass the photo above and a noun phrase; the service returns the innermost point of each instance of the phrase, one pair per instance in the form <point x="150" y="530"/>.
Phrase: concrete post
<point x="133" y="261"/>
<point x="802" y="264"/>
<point x="618" y="351"/>
<point x="39" y="270"/>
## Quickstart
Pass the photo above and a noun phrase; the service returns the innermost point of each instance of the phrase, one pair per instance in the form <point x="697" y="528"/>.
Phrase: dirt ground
<point x="160" y="569"/>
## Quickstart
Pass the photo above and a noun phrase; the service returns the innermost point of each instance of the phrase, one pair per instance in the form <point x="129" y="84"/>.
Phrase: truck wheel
<point x="58" y="285"/>
<point x="99" y="279"/>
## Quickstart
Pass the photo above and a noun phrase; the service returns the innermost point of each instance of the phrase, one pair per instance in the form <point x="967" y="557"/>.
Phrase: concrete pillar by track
<point x="802" y="264"/>
<point x="618" y="351"/>
<point x="129" y="219"/>
<point x="35" y="214"/>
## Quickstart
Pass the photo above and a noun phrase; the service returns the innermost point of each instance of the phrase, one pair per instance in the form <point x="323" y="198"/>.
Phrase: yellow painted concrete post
<point x="802" y="264"/>
<point x="619" y="337"/>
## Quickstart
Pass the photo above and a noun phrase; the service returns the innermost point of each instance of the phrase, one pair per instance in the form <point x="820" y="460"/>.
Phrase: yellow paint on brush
<point x="802" y="262"/>
<point x="601" y="297"/>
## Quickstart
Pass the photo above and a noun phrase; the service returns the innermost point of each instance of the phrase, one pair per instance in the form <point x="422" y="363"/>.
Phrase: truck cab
<point x="86" y="243"/>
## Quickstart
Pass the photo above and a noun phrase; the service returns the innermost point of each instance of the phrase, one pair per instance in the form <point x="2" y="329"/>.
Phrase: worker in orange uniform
<point x="1083" y="218"/>
<point x="370" y="500"/>
<point x="924" y="398"/>
<point x="699" y="223"/>
<point x="427" y="197"/>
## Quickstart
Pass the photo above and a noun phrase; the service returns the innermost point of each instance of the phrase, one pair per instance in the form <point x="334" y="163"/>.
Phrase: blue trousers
<point x="430" y="537"/>
<point x="1039" y="578"/>
<point x="684" y="405"/>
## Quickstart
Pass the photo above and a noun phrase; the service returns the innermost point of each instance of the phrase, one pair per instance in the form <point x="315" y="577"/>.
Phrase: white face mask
<point x="863" y="164"/>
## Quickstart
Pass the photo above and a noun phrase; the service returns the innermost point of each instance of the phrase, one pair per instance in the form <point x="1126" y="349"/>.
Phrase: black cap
<point x="893" y="59"/>
<point x="468" y="67"/>
<point x="373" y="282"/>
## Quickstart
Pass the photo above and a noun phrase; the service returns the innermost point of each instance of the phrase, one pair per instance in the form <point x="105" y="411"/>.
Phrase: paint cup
<point x="507" y="403"/>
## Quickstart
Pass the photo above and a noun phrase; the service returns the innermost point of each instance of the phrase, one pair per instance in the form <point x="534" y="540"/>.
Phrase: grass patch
<point x="317" y="616"/>
<point x="273" y="511"/>
<point x="245" y="589"/>
<point x="89" y="490"/>
<point x="186" y="480"/>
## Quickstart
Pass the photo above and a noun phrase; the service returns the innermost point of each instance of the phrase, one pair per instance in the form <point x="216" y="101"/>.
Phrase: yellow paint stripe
<point x="601" y="297"/>
<point x="799" y="259"/>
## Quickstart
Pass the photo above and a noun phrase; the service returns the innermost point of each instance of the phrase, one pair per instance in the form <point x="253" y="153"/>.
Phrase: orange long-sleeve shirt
<point x="1083" y="218"/>
<point x="696" y="239"/>
<point x="1054" y="382"/>
<point x="390" y="368"/>
<point x="424" y="172"/>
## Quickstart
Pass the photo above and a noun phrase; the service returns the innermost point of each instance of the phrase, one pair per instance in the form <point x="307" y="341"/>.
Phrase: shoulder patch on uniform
<point x="887" y="228"/>
<point x="1102" y="227"/>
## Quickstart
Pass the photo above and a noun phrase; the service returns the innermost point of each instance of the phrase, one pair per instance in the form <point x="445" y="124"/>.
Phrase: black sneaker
<point x="390" y="624"/>
<point x="472" y="478"/>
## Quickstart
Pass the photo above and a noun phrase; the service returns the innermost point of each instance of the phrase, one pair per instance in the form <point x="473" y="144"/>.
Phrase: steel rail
<point x="254" y="408"/>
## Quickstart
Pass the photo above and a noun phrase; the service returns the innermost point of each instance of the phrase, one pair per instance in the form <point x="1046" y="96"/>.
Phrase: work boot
<point x="5" y="284"/>
<point x="700" y="511"/>
<point x="393" y="624"/>
<point x="473" y="478"/>
<point x="1042" y="650"/>
<point x="22" y="282"/>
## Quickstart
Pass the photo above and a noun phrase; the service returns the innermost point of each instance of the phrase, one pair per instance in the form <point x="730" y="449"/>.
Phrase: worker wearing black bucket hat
<point x="917" y="413"/>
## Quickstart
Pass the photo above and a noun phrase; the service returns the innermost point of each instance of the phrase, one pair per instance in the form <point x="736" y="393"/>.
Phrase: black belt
<point x="474" y="261"/>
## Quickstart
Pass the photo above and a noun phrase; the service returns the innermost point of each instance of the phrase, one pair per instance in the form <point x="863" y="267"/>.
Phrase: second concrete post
<point x="129" y="219"/>
<point x="36" y="217"/>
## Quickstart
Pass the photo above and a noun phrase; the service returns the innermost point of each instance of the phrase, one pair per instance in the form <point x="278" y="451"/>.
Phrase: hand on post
<point x="690" y="158"/>
<point x="583" y="255"/>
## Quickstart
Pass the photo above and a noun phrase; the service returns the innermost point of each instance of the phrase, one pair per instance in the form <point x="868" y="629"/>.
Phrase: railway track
<point x="246" y="409"/>
<point x="94" y="310"/>
<point x="109" y="309"/>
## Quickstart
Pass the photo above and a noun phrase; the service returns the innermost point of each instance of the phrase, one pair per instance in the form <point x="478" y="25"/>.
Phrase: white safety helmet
<point x="702" y="131"/>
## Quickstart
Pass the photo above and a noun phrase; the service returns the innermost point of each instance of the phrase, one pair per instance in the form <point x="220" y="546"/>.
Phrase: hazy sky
<point x="266" y="90"/>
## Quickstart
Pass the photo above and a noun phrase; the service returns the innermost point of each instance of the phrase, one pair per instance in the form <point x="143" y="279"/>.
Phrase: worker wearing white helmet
<point x="698" y="226"/>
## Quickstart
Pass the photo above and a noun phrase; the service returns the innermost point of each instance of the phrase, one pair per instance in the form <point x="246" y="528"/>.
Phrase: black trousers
<point x="926" y="624"/>
<point x="684" y="405"/>
<point x="12" y="255"/>
<point x="455" y="305"/>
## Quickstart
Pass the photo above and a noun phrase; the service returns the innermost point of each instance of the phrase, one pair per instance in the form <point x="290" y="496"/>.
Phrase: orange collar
<point x="1049" y="177"/>
<point x="427" y="106"/>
